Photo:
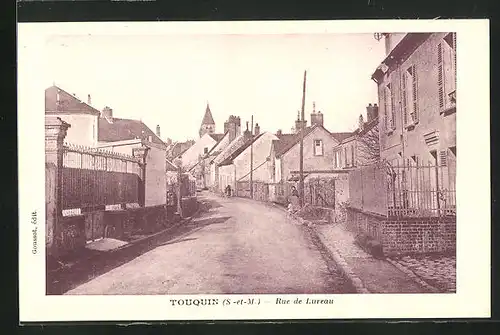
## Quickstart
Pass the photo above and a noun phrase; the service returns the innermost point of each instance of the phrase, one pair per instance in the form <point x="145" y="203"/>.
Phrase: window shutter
<point x="440" y="76"/>
<point x="393" y="110"/>
<point x="386" y="108"/>
<point x="443" y="157"/>
<point x="415" y="94"/>
<point x="404" y="98"/>
<point x="455" y="58"/>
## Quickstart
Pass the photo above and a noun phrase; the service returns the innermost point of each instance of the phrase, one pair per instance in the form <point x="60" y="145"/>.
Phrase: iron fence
<point x="94" y="178"/>
<point x="421" y="190"/>
<point x="397" y="189"/>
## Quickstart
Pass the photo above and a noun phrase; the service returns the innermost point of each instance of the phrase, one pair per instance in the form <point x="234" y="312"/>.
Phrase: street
<point x="234" y="246"/>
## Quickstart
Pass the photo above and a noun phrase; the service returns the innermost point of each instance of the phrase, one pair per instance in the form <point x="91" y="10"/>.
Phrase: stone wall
<point x="119" y="224"/>
<point x="400" y="236"/>
<point x="72" y="233"/>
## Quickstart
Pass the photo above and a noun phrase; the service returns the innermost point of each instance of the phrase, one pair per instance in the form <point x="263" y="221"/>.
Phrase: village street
<point x="234" y="246"/>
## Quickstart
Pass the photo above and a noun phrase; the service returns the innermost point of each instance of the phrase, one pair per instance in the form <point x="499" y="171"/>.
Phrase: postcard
<point x="254" y="170"/>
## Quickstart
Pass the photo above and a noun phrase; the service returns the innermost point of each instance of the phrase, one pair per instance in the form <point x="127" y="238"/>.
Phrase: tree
<point x="369" y="146"/>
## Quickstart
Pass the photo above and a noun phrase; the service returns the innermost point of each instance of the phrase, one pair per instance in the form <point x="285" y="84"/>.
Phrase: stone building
<point x="417" y="98"/>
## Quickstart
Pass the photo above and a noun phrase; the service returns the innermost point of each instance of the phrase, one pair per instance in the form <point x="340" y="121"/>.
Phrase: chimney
<point x="279" y="132"/>
<point x="371" y="112"/>
<point x="89" y="100"/>
<point x="247" y="133"/>
<point x="158" y="130"/>
<point x="256" y="129"/>
<point x="107" y="113"/>
<point x="298" y="122"/>
<point x="233" y="127"/>
<point x="361" y="122"/>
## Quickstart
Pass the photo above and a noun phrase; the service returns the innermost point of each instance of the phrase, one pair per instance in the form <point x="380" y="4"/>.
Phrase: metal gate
<point x="320" y="192"/>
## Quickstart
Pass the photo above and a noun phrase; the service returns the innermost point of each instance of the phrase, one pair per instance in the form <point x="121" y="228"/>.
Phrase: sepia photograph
<point x="272" y="168"/>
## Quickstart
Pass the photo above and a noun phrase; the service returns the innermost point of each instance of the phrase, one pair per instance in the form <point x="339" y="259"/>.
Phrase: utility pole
<point x="251" y="161"/>
<point x="302" y="129"/>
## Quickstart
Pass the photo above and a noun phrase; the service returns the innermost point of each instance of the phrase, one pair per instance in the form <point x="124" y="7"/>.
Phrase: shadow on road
<point x="65" y="279"/>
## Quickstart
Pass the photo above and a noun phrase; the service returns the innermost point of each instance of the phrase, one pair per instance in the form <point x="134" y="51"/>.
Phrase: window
<point x="346" y="157"/>
<point x="205" y="150"/>
<point x="409" y="99"/>
<point x="318" y="148"/>
<point x="335" y="161"/>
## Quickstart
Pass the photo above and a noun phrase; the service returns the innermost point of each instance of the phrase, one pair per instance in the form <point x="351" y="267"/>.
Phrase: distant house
<point x="361" y="147"/>
<point x="235" y="170"/>
<point x="205" y="170"/>
<point x="318" y="157"/>
<point x="318" y="150"/>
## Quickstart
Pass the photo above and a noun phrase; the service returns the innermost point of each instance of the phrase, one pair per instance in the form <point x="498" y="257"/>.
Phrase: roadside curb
<point x="346" y="270"/>
<point x="413" y="276"/>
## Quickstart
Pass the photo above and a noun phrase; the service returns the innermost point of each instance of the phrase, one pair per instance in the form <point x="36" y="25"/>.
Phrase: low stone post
<point x="55" y="132"/>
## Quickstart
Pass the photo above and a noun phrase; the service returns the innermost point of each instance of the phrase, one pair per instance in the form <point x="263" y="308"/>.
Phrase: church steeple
<point x="208" y="123"/>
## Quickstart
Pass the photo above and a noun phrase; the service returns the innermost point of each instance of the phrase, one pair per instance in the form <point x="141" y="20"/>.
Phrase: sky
<point x="167" y="80"/>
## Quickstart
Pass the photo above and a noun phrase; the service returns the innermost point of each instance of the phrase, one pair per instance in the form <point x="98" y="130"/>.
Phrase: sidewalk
<point x="371" y="275"/>
<point x="104" y="255"/>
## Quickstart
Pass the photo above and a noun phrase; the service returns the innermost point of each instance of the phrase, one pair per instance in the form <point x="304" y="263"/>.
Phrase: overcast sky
<point x="167" y="80"/>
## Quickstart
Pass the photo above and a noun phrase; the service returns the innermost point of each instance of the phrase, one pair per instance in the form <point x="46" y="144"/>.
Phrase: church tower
<point x="208" y="123"/>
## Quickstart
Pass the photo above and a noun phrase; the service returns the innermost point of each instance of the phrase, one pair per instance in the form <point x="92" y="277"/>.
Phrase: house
<point x="250" y="159"/>
<point x="102" y="130"/>
<point x="84" y="118"/>
<point x="318" y="150"/>
<point x="284" y="160"/>
<point x="194" y="159"/>
<point x="361" y="147"/>
<point x="407" y="200"/>
<point x="417" y="96"/>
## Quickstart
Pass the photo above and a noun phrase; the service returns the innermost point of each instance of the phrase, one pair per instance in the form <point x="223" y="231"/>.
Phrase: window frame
<point x="314" y="147"/>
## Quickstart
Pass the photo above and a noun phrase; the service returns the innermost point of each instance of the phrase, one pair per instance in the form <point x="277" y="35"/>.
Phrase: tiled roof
<point x="288" y="141"/>
<point x="342" y="136"/>
<point x="211" y="151"/>
<point x="170" y="166"/>
<point x="238" y="151"/>
<point x="125" y="129"/>
<point x="178" y="148"/>
<point x="67" y="102"/>
<point x="208" y="118"/>
<point x="217" y="137"/>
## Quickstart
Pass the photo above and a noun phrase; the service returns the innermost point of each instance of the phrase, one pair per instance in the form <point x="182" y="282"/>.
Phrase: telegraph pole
<point x="302" y="129"/>
<point x="251" y="161"/>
